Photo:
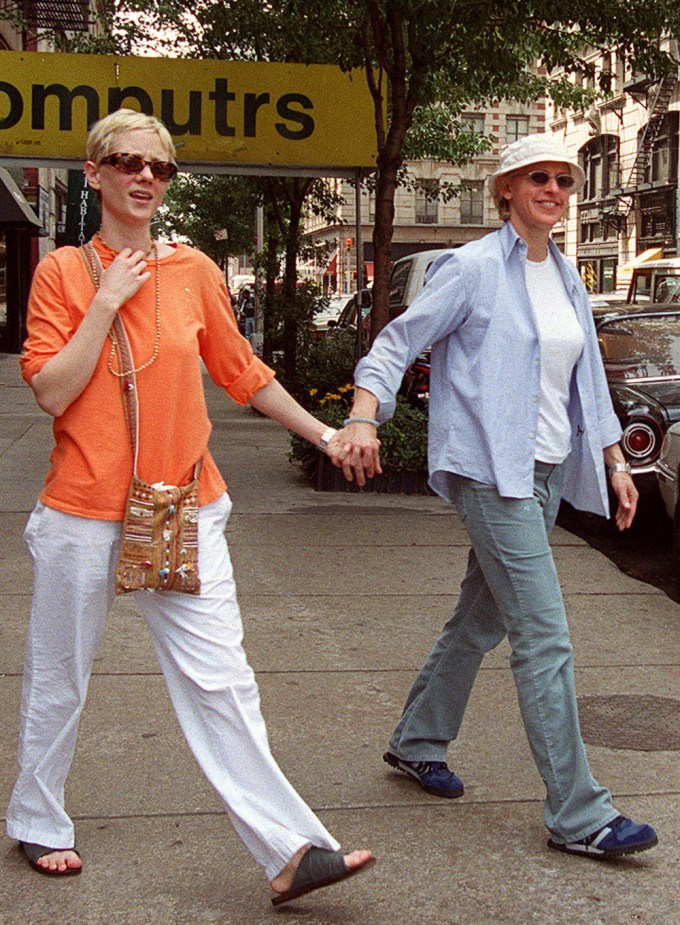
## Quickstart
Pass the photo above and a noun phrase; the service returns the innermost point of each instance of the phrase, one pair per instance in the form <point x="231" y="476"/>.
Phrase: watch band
<point x="618" y="467"/>
<point x="326" y="438"/>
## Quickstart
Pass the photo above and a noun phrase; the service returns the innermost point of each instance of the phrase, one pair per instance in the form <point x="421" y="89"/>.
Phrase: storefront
<point x="18" y="225"/>
<point x="598" y="251"/>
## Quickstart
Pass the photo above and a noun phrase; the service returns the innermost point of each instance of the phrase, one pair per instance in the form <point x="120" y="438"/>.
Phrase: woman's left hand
<point x="627" y="494"/>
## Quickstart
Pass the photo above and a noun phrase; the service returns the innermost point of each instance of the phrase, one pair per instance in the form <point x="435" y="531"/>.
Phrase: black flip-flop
<point x="319" y="867"/>
<point x="33" y="853"/>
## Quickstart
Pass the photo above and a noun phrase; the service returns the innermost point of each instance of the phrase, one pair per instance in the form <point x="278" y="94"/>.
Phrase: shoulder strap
<point x="118" y="335"/>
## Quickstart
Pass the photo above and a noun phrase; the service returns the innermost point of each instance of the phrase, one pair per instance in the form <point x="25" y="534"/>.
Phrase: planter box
<point x="326" y="477"/>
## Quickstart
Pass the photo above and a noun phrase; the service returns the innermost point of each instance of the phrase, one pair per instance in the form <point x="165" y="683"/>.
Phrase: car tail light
<point x="640" y="441"/>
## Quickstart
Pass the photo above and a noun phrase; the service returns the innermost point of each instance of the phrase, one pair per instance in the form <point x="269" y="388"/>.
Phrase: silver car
<point x="667" y="471"/>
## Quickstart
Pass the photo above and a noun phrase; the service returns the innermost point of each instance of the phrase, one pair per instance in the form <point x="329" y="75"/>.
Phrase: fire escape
<point x="638" y="175"/>
<point x="61" y="15"/>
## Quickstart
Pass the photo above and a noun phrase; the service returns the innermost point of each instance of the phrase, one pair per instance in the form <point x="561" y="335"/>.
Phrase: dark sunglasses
<point x="541" y="178"/>
<point x="133" y="163"/>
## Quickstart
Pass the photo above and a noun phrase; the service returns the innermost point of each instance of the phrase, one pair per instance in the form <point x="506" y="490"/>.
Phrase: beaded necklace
<point x="157" y="337"/>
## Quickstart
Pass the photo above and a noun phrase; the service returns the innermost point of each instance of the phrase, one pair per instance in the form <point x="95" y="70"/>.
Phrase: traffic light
<point x="348" y="243"/>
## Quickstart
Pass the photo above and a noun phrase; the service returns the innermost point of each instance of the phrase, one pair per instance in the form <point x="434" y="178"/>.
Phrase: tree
<point x="216" y="213"/>
<point x="428" y="59"/>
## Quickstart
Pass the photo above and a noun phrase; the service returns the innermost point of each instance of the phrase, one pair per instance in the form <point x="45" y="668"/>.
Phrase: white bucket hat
<point x="534" y="149"/>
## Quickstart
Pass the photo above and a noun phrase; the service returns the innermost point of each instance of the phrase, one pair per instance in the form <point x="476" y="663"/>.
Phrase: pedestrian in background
<point x="174" y="305"/>
<point x="519" y="417"/>
<point x="248" y="311"/>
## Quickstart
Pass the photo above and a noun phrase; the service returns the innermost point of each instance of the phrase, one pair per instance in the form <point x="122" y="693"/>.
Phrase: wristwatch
<point x="618" y="467"/>
<point x="326" y="438"/>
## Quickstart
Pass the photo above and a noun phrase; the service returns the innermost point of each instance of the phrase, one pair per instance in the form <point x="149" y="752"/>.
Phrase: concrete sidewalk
<point x="342" y="597"/>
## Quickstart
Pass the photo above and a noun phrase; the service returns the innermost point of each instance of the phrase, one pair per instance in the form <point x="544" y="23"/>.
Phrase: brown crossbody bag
<point x="159" y="541"/>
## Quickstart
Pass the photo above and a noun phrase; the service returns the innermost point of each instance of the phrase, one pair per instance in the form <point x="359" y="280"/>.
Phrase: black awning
<point x="15" y="212"/>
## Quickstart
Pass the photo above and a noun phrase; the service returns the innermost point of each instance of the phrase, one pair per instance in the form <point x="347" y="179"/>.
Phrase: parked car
<point x="408" y="278"/>
<point x="641" y="354"/>
<point x="655" y="281"/>
<point x="668" y="479"/>
<point x="347" y="320"/>
<point x="328" y="314"/>
<point x="603" y="310"/>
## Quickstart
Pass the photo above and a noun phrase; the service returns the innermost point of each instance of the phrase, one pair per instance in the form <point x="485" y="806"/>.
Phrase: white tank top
<point x="561" y="342"/>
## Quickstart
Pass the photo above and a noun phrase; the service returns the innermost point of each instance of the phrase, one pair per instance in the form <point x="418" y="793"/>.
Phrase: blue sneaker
<point x="433" y="776"/>
<point x="621" y="836"/>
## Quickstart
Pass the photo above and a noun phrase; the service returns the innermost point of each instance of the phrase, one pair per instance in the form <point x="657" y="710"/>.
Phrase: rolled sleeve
<point x="50" y="324"/>
<point x="228" y="356"/>
<point x="253" y="378"/>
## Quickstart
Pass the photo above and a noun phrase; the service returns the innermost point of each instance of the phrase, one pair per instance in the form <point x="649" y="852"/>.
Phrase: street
<point x="644" y="552"/>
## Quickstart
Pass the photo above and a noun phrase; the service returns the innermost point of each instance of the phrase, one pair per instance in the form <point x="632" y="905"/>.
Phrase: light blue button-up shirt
<point x="485" y="384"/>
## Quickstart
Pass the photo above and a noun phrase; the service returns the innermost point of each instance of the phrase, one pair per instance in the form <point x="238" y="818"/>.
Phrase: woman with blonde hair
<point x="175" y="309"/>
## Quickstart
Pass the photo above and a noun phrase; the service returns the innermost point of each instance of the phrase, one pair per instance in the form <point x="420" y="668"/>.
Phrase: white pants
<point x="212" y="687"/>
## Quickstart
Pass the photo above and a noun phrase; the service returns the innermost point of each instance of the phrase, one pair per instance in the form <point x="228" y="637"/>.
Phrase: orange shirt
<point x="91" y="463"/>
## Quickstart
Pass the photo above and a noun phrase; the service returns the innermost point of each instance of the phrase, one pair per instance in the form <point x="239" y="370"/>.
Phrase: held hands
<point x="356" y="450"/>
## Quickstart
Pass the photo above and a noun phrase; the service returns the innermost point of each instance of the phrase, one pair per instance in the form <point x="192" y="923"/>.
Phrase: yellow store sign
<point x="220" y="113"/>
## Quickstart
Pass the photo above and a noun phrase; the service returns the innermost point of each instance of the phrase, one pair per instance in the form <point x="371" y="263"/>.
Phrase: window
<point x="662" y="165"/>
<point x="371" y="205"/>
<point x="606" y="71"/>
<point x="427" y="206"/>
<point x="398" y="280"/>
<point x="516" y="127"/>
<point x="473" y="122"/>
<point x="600" y="161"/>
<point x="612" y="168"/>
<point x="620" y="74"/>
<point x="472" y="203"/>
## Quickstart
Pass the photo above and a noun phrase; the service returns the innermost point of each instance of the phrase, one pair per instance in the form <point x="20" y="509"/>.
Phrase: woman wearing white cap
<point x="520" y="417"/>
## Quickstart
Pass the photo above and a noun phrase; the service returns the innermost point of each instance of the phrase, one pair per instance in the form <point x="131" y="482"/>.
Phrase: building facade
<point x="422" y="220"/>
<point x="31" y="26"/>
<point x="628" y="148"/>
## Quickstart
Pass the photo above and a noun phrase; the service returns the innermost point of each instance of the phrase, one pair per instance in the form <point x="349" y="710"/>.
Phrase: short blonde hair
<point x="102" y="136"/>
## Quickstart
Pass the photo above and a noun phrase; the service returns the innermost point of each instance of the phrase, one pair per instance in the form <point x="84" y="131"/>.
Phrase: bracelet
<point x="618" y="467"/>
<point x="361" y="421"/>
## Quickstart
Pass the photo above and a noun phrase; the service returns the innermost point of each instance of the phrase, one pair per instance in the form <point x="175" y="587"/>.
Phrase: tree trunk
<point x="389" y="162"/>
<point x="388" y="35"/>
<point x="290" y="324"/>
<point x="271" y="271"/>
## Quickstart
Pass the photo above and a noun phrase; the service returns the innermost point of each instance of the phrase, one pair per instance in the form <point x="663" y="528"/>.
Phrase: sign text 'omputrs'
<point x="224" y="108"/>
<point x="237" y="112"/>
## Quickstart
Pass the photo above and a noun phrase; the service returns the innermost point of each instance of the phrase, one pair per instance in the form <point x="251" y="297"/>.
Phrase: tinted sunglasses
<point x="541" y="178"/>
<point x="133" y="163"/>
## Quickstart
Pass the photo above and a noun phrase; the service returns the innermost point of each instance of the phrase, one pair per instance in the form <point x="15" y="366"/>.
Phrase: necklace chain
<point x="157" y="336"/>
